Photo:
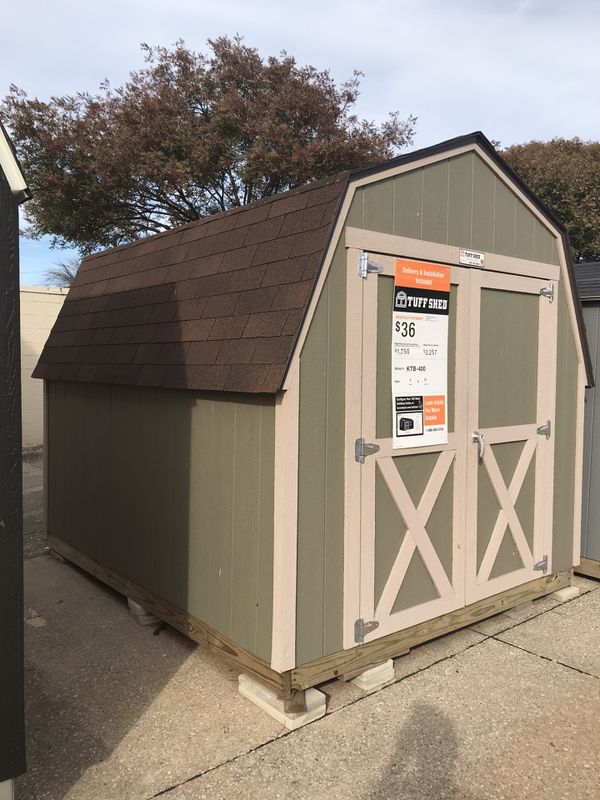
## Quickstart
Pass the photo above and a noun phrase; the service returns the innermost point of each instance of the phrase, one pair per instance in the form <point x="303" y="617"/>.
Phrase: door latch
<point x="363" y="449"/>
<point x="545" y="429"/>
<point x="548" y="291"/>
<point x="362" y="628"/>
<point x="541" y="566"/>
<point x="480" y="439"/>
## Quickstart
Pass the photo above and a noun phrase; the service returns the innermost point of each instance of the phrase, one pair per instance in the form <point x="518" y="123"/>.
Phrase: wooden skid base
<point x="363" y="656"/>
<point x="589" y="567"/>
<point x="344" y="662"/>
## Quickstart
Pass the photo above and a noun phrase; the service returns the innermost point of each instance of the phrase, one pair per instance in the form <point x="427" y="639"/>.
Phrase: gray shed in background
<point x="588" y="283"/>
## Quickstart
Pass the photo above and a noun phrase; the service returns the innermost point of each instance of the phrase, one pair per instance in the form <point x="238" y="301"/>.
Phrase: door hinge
<point x="363" y="449"/>
<point x="365" y="265"/>
<point x="541" y="566"/>
<point x="548" y="291"/>
<point x="545" y="429"/>
<point x="362" y="628"/>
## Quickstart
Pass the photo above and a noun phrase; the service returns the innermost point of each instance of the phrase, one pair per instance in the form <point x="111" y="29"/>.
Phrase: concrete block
<point x="267" y="700"/>
<point x="6" y="790"/>
<point x="375" y="677"/>
<point x="568" y="593"/>
<point x="139" y="613"/>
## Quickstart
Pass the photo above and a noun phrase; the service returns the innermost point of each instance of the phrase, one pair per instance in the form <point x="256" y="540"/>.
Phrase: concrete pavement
<point x="509" y="708"/>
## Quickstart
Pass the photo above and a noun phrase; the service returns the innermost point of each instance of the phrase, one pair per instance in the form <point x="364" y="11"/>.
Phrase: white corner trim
<point x="9" y="165"/>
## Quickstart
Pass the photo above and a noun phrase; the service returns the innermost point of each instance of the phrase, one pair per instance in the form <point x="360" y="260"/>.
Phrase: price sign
<point x="420" y="354"/>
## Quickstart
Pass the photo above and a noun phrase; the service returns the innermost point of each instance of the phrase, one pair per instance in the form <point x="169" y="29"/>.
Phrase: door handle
<point x="480" y="439"/>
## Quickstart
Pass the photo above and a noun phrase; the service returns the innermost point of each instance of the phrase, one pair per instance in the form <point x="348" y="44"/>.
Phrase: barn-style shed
<point x="222" y="442"/>
<point x="588" y="284"/>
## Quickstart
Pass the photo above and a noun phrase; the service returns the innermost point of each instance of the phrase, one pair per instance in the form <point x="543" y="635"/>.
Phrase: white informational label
<point x="471" y="258"/>
<point x="420" y="354"/>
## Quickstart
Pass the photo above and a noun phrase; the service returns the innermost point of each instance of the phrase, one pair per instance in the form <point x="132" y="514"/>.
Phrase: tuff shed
<point x="208" y="389"/>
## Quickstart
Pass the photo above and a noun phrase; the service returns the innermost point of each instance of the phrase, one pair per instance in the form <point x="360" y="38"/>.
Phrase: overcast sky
<point x="515" y="69"/>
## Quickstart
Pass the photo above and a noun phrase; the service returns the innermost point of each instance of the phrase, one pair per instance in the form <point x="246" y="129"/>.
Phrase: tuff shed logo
<point x="421" y="300"/>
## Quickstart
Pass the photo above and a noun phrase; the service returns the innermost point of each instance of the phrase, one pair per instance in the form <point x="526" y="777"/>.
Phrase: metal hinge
<point x="548" y="291"/>
<point x="541" y="566"/>
<point x="363" y="449"/>
<point x="365" y="265"/>
<point x="361" y="628"/>
<point x="545" y="430"/>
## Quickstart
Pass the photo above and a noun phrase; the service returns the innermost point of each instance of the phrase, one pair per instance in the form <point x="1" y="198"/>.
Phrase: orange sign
<point x="434" y="409"/>
<point x="419" y="275"/>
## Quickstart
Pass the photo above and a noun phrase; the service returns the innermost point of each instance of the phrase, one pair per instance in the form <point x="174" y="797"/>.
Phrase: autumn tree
<point x="188" y="135"/>
<point x="565" y="175"/>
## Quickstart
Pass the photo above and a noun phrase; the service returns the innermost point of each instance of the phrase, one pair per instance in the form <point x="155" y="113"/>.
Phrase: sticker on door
<point x="420" y="354"/>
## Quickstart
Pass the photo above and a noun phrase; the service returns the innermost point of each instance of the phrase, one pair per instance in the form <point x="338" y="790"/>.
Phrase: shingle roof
<point x="587" y="277"/>
<point x="215" y="304"/>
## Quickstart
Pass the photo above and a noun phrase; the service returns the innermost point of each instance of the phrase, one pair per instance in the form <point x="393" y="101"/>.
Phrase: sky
<point x="515" y="69"/>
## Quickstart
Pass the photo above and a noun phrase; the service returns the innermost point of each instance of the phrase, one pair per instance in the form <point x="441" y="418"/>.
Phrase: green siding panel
<point x="321" y="472"/>
<point x="484" y="182"/>
<point x="435" y="202"/>
<point x="564" y="444"/>
<point x="505" y="203"/>
<point x="408" y="204"/>
<point x="378" y="208"/>
<point x="174" y="490"/>
<point x="460" y="200"/>
<point x="508" y="358"/>
<point x="524" y="231"/>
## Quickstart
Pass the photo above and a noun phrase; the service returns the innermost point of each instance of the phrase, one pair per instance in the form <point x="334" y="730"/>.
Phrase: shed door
<point x="411" y="504"/>
<point x="511" y="393"/>
<point x="431" y="529"/>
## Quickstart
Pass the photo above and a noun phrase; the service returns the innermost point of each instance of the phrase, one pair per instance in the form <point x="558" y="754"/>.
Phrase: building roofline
<point x="12" y="169"/>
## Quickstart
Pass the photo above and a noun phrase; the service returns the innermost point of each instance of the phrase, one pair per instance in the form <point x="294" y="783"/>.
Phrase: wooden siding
<point x="590" y="529"/>
<point x="565" y="431"/>
<point x="458" y="201"/>
<point x="174" y="490"/>
<point x="321" y="473"/>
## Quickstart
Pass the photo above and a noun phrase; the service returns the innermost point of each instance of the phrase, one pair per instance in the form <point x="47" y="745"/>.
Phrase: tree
<point x="62" y="273"/>
<point x="565" y="175"/>
<point x="186" y="136"/>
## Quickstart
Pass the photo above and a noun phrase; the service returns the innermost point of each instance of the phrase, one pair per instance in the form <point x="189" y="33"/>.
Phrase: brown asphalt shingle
<point x="214" y="305"/>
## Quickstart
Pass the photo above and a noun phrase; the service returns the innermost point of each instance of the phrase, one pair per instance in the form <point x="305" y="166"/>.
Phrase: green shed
<point x="240" y="439"/>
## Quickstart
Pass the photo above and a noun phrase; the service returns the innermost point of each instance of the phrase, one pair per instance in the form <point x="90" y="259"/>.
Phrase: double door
<point x="432" y="529"/>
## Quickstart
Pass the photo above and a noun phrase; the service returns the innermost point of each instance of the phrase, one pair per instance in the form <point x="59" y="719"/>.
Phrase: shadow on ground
<point x="424" y="761"/>
<point x="90" y="674"/>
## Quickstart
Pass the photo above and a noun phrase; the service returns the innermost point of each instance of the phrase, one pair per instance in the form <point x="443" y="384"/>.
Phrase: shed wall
<point x="590" y="528"/>
<point x="12" y="734"/>
<point x="457" y="201"/>
<point x="321" y="472"/>
<point x="174" y="490"/>
<point x="566" y="436"/>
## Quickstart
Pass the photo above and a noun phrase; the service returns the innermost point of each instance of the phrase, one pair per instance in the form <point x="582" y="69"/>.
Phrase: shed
<point x="222" y="443"/>
<point x="588" y="283"/>
<point x="13" y="191"/>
